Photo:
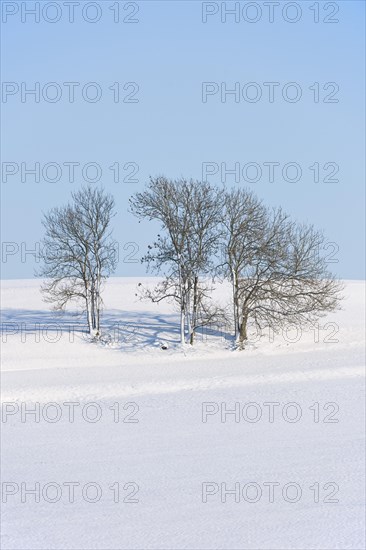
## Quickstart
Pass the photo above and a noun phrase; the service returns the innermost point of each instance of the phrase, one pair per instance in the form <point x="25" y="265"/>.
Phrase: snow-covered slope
<point x="292" y="453"/>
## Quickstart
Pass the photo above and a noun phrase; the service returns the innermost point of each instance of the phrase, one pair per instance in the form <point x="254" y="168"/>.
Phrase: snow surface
<point x="170" y="453"/>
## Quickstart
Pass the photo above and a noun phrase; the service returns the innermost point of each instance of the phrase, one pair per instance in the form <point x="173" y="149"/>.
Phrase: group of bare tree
<point x="188" y="212"/>
<point x="275" y="265"/>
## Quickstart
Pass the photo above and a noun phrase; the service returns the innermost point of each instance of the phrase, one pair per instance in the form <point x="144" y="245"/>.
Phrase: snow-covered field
<point x="134" y="447"/>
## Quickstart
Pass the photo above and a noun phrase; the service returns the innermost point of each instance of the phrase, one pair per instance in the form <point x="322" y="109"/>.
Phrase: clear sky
<point x="172" y="127"/>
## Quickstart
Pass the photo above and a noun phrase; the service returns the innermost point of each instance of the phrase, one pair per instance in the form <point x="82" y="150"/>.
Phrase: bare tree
<point x="278" y="272"/>
<point x="203" y="203"/>
<point x="189" y="213"/>
<point x="79" y="253"/>
<point x="243" y="220"/>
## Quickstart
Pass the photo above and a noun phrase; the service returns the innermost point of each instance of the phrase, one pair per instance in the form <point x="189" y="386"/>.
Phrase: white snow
<point x="170" y="453"/>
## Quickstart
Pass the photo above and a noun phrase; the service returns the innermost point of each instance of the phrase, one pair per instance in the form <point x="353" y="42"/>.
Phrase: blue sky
<point x="169" y="53"/>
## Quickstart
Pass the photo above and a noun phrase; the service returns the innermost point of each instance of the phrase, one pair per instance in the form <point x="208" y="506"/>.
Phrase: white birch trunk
<point x="182" y="326"/>
<point x="235" y="304"/>
<point x="89" y="315"/>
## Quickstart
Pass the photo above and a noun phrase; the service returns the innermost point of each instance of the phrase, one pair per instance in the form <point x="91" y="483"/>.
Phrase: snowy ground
<point x="295" y="477"/>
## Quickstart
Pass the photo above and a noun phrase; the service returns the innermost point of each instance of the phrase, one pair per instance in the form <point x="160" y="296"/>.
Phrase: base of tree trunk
<point x="240" y="344"/>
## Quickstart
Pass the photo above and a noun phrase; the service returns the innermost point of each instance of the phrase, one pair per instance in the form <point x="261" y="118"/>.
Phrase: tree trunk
<point x="195" y="309"/>
<point x="97" y="314"/>
<point x="182" y="325"/>
<point x="188" y="312"/>
<point x="98" y="299"/>
<point x="243" y="336"/>
<point x="97" y="306"/>
<point x="98" y="320"/>
<point x="92" y="308"/>
<point x="182" y="305"/>
<point x="236" y="303"/>
<point x="88" y="315"/>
